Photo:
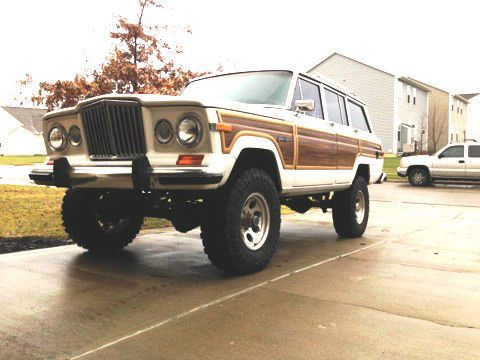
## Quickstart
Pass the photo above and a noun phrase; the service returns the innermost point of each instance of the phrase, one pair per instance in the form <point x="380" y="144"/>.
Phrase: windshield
<point x="261" y="87"/>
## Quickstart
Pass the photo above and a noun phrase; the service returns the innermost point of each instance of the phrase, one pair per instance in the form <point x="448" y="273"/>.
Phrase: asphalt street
<point x="409" y="289"/>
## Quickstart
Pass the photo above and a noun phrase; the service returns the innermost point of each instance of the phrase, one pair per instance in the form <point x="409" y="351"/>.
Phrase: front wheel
<point x="351" y="209"/>
<point x="101" y="221"/>
<point x="419" y="176"/>
<point x="242" y="225"/>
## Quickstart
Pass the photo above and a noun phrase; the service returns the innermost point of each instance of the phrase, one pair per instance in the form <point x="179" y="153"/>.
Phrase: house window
<point x="452" y="107"/>
<point x="451" y="138"/>
<point x="456" y="137"/>
<point x="414" y="96"/>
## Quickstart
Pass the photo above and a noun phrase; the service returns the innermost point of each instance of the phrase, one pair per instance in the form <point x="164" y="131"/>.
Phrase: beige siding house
<point x="398" y="108"/>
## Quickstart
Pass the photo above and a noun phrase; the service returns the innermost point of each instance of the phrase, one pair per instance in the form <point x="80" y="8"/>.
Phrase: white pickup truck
<point x="453" y="162"/>
<point x="224" y="156"/>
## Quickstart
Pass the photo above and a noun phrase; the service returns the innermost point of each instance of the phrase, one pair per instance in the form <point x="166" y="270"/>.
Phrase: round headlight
<point x="163" y="131"/>
<point x="74" y="136"/>
<point x="57" y="138"/>
<point x="189" y="131"/>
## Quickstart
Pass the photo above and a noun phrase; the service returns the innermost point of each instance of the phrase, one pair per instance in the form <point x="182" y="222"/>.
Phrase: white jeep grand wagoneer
<point x="225" y="155"/>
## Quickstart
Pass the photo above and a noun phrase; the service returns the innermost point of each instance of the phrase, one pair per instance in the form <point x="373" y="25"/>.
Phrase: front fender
<point x="255" y="142"/>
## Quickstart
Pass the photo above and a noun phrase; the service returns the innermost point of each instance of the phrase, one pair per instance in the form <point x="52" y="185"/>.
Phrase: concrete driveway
<point x="409" y="289"/>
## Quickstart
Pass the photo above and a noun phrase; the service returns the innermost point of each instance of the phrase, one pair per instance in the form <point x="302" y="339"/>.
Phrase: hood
<point x="151" y="100"/>
<point x="415" y="160"/>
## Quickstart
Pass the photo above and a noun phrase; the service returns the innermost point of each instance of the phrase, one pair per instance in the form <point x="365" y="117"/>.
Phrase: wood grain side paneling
<point x="316" y="150"/>
<point x="280" y="133"/>
<point x="370" y="149"/>
<point x="348" y="150"/>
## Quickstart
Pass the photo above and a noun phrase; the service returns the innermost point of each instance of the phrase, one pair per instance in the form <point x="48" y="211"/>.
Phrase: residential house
<point x="473" y="116"/>
<point x="21" y="131"/>
<point x="439" y="114"/>
<point x="397" y="105"/>
<point x="458" y="119"/>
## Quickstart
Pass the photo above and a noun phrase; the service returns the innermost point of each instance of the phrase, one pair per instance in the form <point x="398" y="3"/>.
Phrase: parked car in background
<point x="224" y="156"/>
<point x="453" y="162"/>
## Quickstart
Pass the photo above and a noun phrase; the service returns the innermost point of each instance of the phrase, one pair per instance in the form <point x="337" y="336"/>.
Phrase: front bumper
<point x="140" y="176"/>
<point x="402" y="172"/>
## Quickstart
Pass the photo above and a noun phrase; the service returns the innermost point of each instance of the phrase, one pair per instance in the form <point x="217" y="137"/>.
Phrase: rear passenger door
<point x="317" y="145"/>
<point x="347" y="140"/>
<point x="472" y="165"/>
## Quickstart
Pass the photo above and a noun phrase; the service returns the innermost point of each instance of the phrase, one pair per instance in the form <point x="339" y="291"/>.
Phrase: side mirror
<point x="304" y="105"/>
<point x="440" y="156"/>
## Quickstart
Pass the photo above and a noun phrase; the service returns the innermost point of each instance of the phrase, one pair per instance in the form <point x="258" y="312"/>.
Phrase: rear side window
<point x="305" y="90"/>
<point x="474" y="151"/>
<point x="358" y="120"/>
<point x="336" y="107"/>
<point x="453" y="152"/>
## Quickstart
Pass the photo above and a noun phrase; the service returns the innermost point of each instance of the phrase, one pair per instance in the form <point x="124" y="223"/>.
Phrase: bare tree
<point x="437" y="125"/>
<point x="421" y="133"/>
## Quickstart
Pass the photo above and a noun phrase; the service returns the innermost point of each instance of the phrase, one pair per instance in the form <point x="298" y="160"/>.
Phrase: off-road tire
<point x="79" y="215"/>
<point x="344" y="210"/>
<point x="221" y="230"/>
<point x="419" y="176"/>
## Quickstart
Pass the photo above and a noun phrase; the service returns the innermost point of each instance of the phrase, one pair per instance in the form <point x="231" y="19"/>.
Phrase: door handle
<point x="461" y="161"/>
<point x="331" y="124"/>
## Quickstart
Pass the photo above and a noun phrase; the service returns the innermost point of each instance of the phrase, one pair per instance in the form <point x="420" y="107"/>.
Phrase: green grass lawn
<point x="21" y="160"/>
<point x="34" y="211"/>
<point x="390" y="167"/>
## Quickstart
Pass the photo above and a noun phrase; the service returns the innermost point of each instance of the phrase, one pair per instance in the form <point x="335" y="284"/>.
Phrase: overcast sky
<point x="433" y="41"/>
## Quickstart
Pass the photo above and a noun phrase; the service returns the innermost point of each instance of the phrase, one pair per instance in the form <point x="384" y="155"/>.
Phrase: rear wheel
<point x="419" y="176"/>
<point x="351" y="209"/>
<point x="101" y="221"/>
<point x="242" y="225"/>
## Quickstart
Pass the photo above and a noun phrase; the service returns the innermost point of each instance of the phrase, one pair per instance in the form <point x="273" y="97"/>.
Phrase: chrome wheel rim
<point x="108" y="219"/>
<point x="112" y="226"/>
<point x="360" y="207"/>
<point x="418" y="178"/>
<point x="255" y="221"/>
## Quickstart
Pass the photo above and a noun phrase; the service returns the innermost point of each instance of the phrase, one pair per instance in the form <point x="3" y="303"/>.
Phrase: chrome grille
<point x="114" y="130"/>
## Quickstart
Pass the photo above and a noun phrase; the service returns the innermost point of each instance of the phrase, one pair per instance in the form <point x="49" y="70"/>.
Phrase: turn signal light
<point x="221" y="127"/>
<point x="190" y="159"/>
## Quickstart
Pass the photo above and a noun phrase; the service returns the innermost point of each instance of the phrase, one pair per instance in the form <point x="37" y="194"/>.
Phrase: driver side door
<point x="450" y="163"/>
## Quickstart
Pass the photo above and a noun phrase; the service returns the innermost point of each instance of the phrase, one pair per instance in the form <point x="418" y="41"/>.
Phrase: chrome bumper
<point x="140" y="175"/>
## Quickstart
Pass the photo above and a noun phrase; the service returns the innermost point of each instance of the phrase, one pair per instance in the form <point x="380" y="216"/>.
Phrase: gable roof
<point x="428" y="85"/>
<point x="30" y="118"/>
<point x="469" y="96"/>
<point x="414" y="83"/>
<point x="461" y="98"/>
<point x="349" y="58"/>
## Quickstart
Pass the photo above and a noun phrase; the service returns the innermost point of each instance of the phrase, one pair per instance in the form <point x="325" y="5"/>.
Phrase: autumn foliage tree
<point x="140" y="62"/>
